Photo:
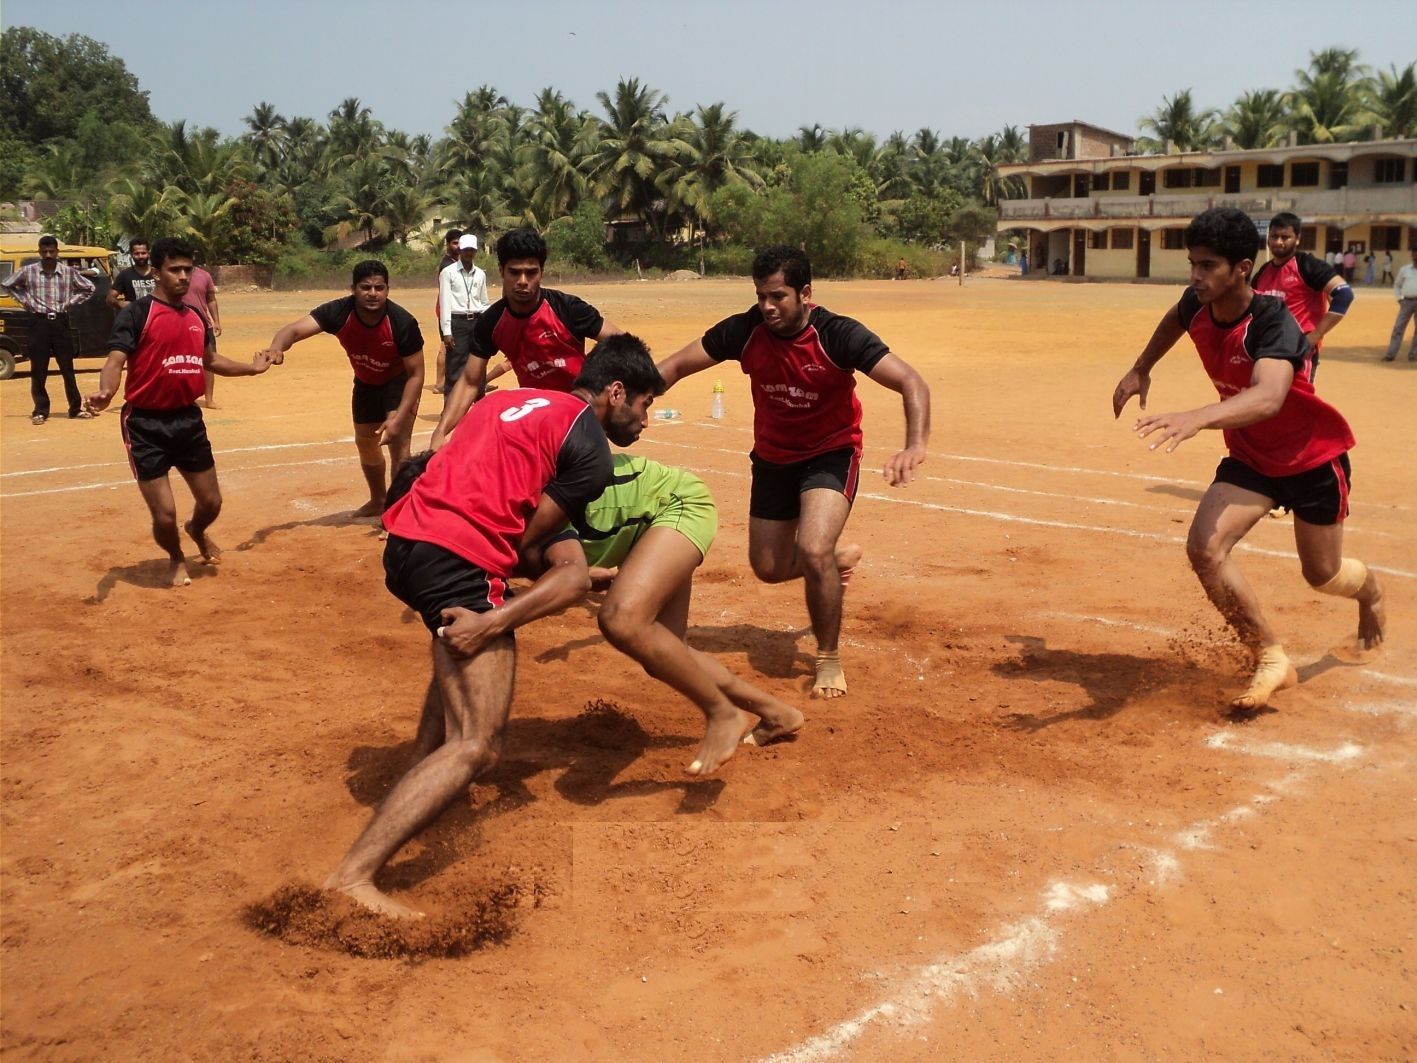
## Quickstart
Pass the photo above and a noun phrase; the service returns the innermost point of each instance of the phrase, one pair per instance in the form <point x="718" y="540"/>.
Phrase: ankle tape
<point x="1352" y="574"/>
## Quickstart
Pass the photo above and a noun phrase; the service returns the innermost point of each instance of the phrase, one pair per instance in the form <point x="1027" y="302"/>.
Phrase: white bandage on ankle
<point x="1352" y="574"/>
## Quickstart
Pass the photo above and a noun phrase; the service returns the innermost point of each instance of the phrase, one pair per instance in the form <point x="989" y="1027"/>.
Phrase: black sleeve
<point x="331" y="316"/>
<point x="1188" y="307"/>
<point x="583" y="466"/>
<point x="128" y="325"/>
<point x="725" y="341"/>
<point x="480" y="343"/>
<point x="580" y="317"/>
<point x="1274" y="333"/>
<point x="408" y="337"/>
<point x="849" y="344"/>
<point x="1316" y="272"/>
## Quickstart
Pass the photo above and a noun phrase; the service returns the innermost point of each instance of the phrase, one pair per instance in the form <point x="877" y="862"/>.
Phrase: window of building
<point x="1173" y="239"/>
<point x="1062" y="140"/>
<point x="1270" y="176"/>
<point x="1101" y="182"/>
<point x="1122" y="239"/>
<point x="1179" y="178"/>
<point x="1121" y="181"/>
<point x="1390" y="171"/>
<point x="1387" y="237"/>
<point x="1097" y="241"/>
<point x="1308" y="237"/>
<point x="1207" y="178"/>
<point x="1304" y="174"/>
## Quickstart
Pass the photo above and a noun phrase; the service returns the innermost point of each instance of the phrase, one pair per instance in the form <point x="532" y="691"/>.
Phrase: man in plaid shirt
<point x="49" y="290"/>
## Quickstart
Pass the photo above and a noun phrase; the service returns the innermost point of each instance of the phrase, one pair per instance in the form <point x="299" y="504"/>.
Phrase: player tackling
<point x="1287" y="446"/>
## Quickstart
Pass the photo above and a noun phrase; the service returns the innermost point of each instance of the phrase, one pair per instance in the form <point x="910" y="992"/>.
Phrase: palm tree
<point x="266" y="136"/>
<point x="637" y="143"/>
<point x="811" y="138"/>
<point x="1179" y="122"/>
<point x="1391" y="97"/>
<point x="354" y="133"/>
<point x="481" y="200"/>
<point x="142" y="208"/>
<point x="407" y="208"/>
<point x="362" y="204"/>
<point x="1327" y="101"/>
<point x="718" y="156"/>
<point x="989" y="154"/>
<point x="202" y="217"/>
<point x="1256" y="120"/>
<point x="556" y="154"/>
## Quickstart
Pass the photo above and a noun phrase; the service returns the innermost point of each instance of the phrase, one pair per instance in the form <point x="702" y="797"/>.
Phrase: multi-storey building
<point x="1096" y="209"/>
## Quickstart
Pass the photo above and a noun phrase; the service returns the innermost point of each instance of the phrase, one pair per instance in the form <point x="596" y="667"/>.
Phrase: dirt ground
<point x="1028" y="832"/>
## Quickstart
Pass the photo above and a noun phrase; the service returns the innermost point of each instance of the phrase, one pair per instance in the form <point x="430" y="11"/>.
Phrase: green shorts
<point x="645" y="494"/>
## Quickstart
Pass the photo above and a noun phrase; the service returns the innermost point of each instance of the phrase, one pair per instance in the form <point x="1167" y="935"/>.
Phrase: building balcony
<point x="1352" y="205"/>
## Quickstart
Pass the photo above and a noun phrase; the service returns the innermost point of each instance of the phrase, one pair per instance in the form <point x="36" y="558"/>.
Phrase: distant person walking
<point x="49" y="290"/>
<point x="1369" y="261"/>
<point x="201" y="297"/>
<point x="1405" y="288"/>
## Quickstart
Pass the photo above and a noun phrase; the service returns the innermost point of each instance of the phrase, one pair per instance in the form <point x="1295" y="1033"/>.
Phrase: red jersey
<point x="1306" y="432"/>
<point x="375" y="351"/>
<point x="1300" y="282"/>
<point x="804" y="387"/>
<point x="479" y="491"/>
<point x="166" y="348"/>
<point x="546" y="347"/>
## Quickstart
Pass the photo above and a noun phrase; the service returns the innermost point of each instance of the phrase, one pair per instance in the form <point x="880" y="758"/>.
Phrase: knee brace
<point x="1352" y="574"/>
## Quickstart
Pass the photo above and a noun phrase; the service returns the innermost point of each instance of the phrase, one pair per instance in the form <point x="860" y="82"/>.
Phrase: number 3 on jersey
<point x="516" y="413"/>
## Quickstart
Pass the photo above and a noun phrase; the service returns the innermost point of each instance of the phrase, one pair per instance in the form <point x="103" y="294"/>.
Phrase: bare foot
<point x="1273" y="672"/>
<point x="1372" y="616"/>
<point x="776" y="719"/>
<point x="370" y="508"/>
<point x="720" y="740"/>
<point x="831" y="680"/>
<point x="211" y="552"/>
<point x="847" y="558"/>
<point x="177" y="574"/>
<point x="207" y="404"/>
<point x="376" y="901"/>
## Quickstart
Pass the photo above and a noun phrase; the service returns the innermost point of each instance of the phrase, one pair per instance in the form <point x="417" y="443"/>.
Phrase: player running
<point x="1316" y="293"/>
<point x="1287" y="446"/>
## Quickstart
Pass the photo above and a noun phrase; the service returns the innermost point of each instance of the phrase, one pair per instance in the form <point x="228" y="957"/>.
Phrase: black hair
<point x="133" y="241"/>
<point x="789" y="261"/>
<point x="170" y="247"/>
<point x="48" y="241"/>
<point x="370" y="267"/>
<point x="1229" y="232"/>
<point x="519" y="244"/>
<point x="451" y="235"/>
<point x="1286" y="219"/>
<point x="621" y="357"/>
<point x="409" y="471"/>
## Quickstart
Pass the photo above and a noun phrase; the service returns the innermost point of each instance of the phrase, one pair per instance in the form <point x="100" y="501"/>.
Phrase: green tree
<point x="580" y="238"/>
<point x="717" y="156"/>
<point x="1256" y="120"/>
<point x="1179" y="121"/>
<point x="266" y="135"/>
<point x="49" y="83"/>
<point x="258" y="223"/>
<point x="143" y="208"/>
<point x="1327" y="101"/>
<point x="1392" y="100"/>
<point x="637" y="144"/>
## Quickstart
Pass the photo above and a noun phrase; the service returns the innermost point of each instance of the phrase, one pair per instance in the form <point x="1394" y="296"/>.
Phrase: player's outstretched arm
<point x="109" y="377"/>
<point x="223" y="366"/>
<point x="692" y="359"/>
<point x="290" y="335"/>
<point x="898" y="375"/>
<point x="467" y="389"/>
<point x="1260" y="401"/>
<point x="1137" y="380"/>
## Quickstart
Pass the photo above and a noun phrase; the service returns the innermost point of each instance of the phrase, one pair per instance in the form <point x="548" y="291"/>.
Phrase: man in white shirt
<point x="462" y="297"/>
<point x="1405" y="288"/>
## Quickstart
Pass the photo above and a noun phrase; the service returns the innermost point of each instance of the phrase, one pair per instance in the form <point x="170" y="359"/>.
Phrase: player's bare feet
<point x="1273" y="671"/>
<point x="210" y="551"/>
<point x="370" y="508"/>
<point x="1372" y="616"/>
<point x="847" y="558"/>
<point x="177" y="574"/>
<point x="720" y="740"/>
<point x="831" y="680"/>
<point x="207" y="404"/>
<point x="376" y="901"/>
<point x="781" y="723"/>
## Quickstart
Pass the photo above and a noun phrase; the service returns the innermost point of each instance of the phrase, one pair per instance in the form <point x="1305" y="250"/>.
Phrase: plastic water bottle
<point x="716" y="409"/>
<point x="666" y="414"/>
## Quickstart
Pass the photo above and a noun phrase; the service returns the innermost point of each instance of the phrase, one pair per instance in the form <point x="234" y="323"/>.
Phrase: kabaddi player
<point x="165" y="344"/>
<point x="385" y="347"/>
<point x="801" y="360"/>
<point x="522" y="464"/>
<point x="1316" y="293"/>
<point x="1287" y="446"/>
<point x="542" y="331"/>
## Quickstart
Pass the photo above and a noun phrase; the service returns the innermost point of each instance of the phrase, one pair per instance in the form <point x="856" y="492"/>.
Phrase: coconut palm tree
<point x="1179" y="122"/>
<point x="637" y="144"/>
<point x="556" y="155"/>
<point x="354" y="132"/>
<point x="718" y="156"/>
<point x="142" y="208"/>
<point x="1256" y="120"/>
<point x="1391" y="97"/>
<point x="811" y="138"/>
<point x="362" y="203"/>
<point x="266" y="136"/>
<point x="1327" y="102"/>
<point x="202" y="218"/>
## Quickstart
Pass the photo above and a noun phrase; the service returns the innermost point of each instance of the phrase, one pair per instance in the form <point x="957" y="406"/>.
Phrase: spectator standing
<point x="1405" y="288"/>
<point x="48" y="289"/>
<point x="201" y="297"/>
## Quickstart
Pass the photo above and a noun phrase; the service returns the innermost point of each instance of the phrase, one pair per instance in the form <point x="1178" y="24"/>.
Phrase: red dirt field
<point x="1029" y="831"/>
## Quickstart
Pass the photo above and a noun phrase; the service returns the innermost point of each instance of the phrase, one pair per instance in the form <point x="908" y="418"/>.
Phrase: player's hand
<point x="1175" y="429"/>
<point x="1134" y="383"/>
<point x="216" y="330"/>
<point x="391" y="429"/>
<point x="439" y="437"/>
<point x="274" y="356"/>
<point x="900" y="470"/>
<point x="260" y="362"/>
<point x="98" y="401"/>
<point x="465" y="632"/>
<point x="601" y="578"/>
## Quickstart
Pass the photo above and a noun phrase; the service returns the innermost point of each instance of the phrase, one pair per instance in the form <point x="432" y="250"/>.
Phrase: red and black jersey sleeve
<point x="1273" y="333"/>
<point x="408" y="337"/>
<point x="583" y="466"/>
<point x="128" y="325"/>
<point x="849" y="344"/>
<point x="584" y="320"/>
<point x="480" y="344"/>
<point x="1316" y="273"/>
<point x="726" y="340"/>
<point x="331" y="316"/>
<point x="1188" y="307"/>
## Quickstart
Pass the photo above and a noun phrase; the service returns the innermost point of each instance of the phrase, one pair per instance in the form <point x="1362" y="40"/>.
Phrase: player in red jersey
<point x="1287" y="446"/>
<point x="801" y="361"/>
<point x="385" y="347"/>
<point x="1316" y="293"/>
<point x="542" y="331"/>
<point x="521" y="465"/>
<point x="165" y="345"/>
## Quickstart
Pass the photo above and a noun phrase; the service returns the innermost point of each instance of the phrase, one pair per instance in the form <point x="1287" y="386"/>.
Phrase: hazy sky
<point x="962" y="69"/>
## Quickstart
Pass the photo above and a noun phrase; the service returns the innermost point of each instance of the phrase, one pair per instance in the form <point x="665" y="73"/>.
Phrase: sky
<point x="962" y="69"/>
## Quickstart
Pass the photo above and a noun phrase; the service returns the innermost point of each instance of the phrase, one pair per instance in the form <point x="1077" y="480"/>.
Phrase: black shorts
<point x="159" y="440"/>
<point x="1319" y="496"/>
<point x="371" y="403"/>
<point x="777" y="489"/>
<point x="429" y="579"/>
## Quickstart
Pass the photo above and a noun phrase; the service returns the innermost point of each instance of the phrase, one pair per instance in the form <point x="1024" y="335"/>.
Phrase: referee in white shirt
<point x="462" y="297"/>
<point x="1405" y="288"/>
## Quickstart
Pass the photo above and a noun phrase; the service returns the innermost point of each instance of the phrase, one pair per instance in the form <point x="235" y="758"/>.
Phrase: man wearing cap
<point x="462" y="297"/>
